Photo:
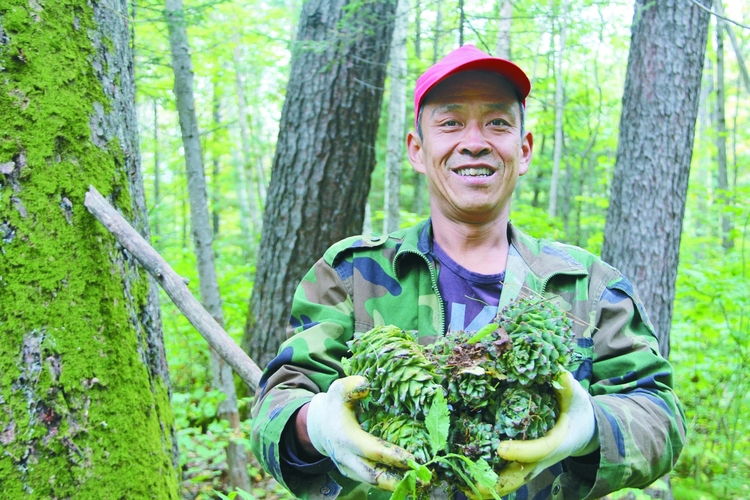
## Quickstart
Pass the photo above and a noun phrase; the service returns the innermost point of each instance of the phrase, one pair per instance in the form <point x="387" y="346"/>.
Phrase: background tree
<point x="84" y="388"/>
<point x="222" y="377"/>
<point x="657" y="125"/>
<point x="324" y="154"/>
<point x="394" y="154"/>
<point x="710" y="320"/>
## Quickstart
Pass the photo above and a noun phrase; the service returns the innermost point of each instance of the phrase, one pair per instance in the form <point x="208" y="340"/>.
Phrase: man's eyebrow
<point x="445" y="107"/>
<point x="499" y="106"/>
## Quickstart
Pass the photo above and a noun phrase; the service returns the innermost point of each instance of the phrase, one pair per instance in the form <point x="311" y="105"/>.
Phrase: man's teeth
<point x="474" y="172"/>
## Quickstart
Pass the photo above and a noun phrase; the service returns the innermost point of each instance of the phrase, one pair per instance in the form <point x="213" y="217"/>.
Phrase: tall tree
<point x="324" y="154"/>
<point x="721" y="140"/>
<point x="394" y="149"/>
<point x="504" y="24"/>
<point x="559" y="108"/>
<point x="657" y="126"/>
<point x="222" y="377"/>
<point x="84" y="388"/>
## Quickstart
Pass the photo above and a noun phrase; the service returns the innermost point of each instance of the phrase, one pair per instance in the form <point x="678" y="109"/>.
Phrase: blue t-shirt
<point x="470" y="299"/>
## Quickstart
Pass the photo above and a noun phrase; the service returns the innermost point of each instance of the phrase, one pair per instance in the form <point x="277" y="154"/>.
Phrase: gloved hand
<point x="334" y="431"/>
<point x="574" y="434"/>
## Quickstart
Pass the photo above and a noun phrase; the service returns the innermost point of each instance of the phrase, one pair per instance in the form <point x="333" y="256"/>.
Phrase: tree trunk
<point x="324" y="154"/>
<point x="657" y="126"/>
<point x="157" y="173"/>
<point x="721" y="142"/>
<point x="504" y="23"/>
<point x="396" y="118"/>
<point x="222" y="377"/>
<point x="245" y="132"/>
<point x="437" y="34"/>
<point x="84" y="387"/>
<point x="417" y="29"/>
<point x="461" y="22"/>
<point x="215" y="203"/>
<point x="559" y="109"/>
<point x="735" y="46"/>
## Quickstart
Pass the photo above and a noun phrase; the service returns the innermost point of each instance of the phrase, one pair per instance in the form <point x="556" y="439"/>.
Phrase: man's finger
<point x="534" y="450"/>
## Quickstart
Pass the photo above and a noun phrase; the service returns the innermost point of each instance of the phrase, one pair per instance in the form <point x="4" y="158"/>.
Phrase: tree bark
<point x="394" y="150"/>
<point x="215" y="203"/>
<point x="84" y="386"/>
<point x="559" y="109"/>
<point x="735" y="46"/>
<point x="157" y="173"/>
<point x="438" y="33"/>
<point x="657" y="127"/>
<point x="254" y="206"/>
<point x="721" y="142"/>
<point x="324" y="154"/>
<point x="504" y="24"/>
<point x="222" y="378"/>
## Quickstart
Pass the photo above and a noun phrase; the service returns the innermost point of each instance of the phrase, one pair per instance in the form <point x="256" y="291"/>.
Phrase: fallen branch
<point x="173" y="284"/>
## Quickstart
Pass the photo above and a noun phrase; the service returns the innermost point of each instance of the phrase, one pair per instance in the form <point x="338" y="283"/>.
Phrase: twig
<point x="713" y="13"/>
<point x="172" y="283"/>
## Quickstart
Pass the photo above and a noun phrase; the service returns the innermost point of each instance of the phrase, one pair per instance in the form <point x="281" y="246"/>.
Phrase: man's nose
<point x="473" y="142"/>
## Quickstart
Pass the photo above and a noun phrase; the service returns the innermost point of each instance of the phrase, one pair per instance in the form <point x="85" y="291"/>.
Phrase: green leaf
<point x="423" y="473"/>
<point x="406" y="486"/>
<point x="346" y="364"/>
<point x="244" y="494"/>
<point x="483" y="332"/>
<point x="438" y="423"/>
<point x="483" y="474"/>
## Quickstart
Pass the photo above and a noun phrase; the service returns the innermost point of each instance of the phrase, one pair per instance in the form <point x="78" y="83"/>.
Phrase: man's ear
<point x="414" y="149"/>
<point x="527" y="149"/>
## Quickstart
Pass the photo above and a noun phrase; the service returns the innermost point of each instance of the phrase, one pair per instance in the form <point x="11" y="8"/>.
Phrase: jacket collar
<point x="543" y="258"/>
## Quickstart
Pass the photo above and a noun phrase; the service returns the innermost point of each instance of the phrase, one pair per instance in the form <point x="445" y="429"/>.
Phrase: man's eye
<point x="497" y="122"/>
<point x="450" y="123"/>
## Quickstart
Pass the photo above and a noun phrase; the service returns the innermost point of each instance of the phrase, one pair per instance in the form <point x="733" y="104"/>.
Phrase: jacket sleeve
<point x="641" y="423"/>
<point x="308" y="362"/>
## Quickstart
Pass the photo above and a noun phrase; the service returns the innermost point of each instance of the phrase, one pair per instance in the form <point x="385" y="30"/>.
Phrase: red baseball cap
<point x="469" y="58"/>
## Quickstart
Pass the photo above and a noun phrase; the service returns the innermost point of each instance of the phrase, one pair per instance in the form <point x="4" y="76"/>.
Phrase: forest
<point x="213" y="127"/>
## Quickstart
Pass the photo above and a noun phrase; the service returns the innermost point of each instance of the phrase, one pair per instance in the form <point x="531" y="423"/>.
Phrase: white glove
<point x="334" y="431"/>
<point x="574" y="434"/>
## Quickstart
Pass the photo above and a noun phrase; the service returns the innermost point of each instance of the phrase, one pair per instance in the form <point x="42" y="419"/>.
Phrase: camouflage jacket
<point x="364" y="282"/>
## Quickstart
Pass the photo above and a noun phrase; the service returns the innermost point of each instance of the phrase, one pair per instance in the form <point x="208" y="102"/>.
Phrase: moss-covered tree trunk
<point x="84" y="388"/>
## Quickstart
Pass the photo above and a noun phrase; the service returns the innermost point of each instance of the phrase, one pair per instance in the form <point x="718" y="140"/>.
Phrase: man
<point x="624" y="425"/>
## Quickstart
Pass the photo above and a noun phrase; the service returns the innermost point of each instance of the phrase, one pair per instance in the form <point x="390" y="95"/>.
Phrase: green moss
<point x="79" y="414"/>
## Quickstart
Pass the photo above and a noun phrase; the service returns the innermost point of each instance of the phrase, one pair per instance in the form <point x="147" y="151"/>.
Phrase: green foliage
<point x="710" y="321"/>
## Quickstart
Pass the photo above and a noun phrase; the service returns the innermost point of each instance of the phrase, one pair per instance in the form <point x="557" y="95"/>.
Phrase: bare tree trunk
<point x="215" y="211"/>
<point x="418" y="29"/>
<point x="504" y="24"/>
<point x="438" y="32"/>
<point x="559" y="109"/>
<point x="396" y="118"/>
<point x="249" y="218"/>
<point x="320" y="181"/>
<point x="253" y="208"/>
<point x="202" y="234"/>
<point x="649" y="188"/>
<point x="735" y="46"/>
<point x="84" y="398"/>
<point x="721" y="142"/>
<point x="245" y="128"/>
<point x="157" y="173"/>
<point x="461" y="22"/>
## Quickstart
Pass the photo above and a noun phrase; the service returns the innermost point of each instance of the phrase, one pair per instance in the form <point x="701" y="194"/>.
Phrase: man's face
<point x="471" y="149"/>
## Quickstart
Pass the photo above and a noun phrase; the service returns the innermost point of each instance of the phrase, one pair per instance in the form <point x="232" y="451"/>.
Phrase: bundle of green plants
<point x="452" y="402"/>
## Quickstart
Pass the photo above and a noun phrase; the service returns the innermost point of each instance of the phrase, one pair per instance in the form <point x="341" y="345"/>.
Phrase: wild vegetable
<point x="451" y="403"/>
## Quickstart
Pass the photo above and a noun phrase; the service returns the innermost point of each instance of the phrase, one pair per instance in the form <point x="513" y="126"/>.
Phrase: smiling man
<point x="623" y="425"/>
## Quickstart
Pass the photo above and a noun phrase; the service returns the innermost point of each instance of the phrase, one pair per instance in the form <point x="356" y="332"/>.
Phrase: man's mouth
<point x="474" y="172"/>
